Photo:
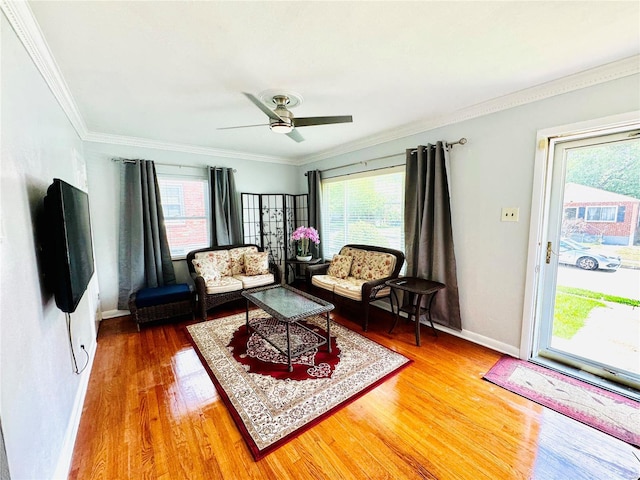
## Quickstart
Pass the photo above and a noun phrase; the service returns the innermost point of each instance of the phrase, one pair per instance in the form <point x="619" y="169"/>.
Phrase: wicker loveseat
<point x="357" y="276"/>
<point x="221" y="273"/>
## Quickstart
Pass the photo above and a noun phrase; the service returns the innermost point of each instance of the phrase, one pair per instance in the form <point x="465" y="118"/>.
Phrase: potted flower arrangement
<point x="302" y="236"/>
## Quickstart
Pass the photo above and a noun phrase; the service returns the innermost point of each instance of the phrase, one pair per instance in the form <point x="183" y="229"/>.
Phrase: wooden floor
<point x="151" y="411"/>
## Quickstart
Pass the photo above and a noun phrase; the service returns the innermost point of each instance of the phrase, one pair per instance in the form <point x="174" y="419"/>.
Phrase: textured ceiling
<point x="174" y="72"/>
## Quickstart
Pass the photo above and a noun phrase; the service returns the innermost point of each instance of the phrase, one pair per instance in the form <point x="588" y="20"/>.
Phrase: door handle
<point x="548" y="252"/>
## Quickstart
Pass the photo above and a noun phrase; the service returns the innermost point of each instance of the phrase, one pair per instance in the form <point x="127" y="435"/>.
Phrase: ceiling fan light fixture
<point x="281" y="127"/>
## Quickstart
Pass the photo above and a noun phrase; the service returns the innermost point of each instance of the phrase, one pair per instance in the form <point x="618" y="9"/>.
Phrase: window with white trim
<point x="185" y="204"/>
<point x="601" y="214"/>
<point x="365" y="208"/>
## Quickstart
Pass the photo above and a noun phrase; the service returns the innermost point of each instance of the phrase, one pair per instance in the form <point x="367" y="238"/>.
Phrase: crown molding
<point x="23" y="22"/>
<point x="28" y="31"/>
<point x="180" y="147"/>
<point x="605" y="73"/>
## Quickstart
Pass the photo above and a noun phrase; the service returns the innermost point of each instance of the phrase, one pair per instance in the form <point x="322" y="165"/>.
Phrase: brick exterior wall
<point x="621" y="231"/>
<point x="185" y="235"/>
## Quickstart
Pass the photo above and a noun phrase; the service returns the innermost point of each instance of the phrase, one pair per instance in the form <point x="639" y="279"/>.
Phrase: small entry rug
<point x="270" y="405"/>
<point x="606" y="411"/>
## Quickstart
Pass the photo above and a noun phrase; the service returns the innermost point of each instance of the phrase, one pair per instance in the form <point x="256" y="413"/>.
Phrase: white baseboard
<point x="114" y="313"/>
<point x="466" y="335"/>
<point x="66" y="455"/>
<point x="482" y="340"/>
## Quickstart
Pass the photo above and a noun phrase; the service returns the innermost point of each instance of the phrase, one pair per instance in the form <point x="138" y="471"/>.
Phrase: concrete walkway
<point x="611" y="335"/>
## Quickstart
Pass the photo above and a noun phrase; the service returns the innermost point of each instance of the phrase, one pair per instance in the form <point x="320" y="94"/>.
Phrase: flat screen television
<point x="69" y="248"/>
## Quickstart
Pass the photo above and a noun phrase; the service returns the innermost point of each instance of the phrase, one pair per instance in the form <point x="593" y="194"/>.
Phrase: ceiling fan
<point x="281" y="120"/>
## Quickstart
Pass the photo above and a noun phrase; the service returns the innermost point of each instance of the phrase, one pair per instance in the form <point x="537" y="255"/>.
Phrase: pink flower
<point x="306" y="232"/>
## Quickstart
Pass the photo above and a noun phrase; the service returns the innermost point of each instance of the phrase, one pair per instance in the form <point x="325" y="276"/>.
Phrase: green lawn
<point x="570" y="313"/>
<point x="573" y="306"/>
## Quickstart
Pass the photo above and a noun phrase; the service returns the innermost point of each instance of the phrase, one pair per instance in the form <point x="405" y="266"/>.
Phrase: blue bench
<point x="161" y="303"/>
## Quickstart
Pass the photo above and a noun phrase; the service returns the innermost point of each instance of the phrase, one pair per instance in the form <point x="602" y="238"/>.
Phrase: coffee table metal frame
<point x="287" y="306"/>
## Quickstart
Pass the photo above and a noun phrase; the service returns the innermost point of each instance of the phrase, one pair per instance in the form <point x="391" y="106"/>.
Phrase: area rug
<point x="271" y="405"/>
<point x="606" y="411"/>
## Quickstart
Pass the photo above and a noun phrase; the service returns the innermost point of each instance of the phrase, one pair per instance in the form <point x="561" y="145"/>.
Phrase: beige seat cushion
<point x="236" y="256"/>
<point x="326" y="282"/>
<point x="351" y="287"/>
<point x="224" y="284"/>
<point x="253" y="281"/>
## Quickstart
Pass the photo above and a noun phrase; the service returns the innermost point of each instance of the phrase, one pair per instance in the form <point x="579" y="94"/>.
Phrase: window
<point x="172" y="200"/>
<point x="570" y="213"/>
<point x="601" y="214"/>
<point x="366" y="208"/>
<point x="185" y="204"/>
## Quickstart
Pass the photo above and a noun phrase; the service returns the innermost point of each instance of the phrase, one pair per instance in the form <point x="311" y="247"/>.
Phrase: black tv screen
<point x="69" y="247"/>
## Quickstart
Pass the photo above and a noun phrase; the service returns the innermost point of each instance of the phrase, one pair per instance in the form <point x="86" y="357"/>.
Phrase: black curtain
<point x="314" y="183"/>
<point x="226" y="226"/>
<point x="428" y="233"/>
<point x="144" y="257"/>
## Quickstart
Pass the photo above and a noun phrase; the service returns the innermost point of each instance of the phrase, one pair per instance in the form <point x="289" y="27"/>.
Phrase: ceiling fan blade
<point x="244" y="126"/>
<point x="294" y="134"/>
<point x="267" y="111"/>
<point x="309" y="121"/>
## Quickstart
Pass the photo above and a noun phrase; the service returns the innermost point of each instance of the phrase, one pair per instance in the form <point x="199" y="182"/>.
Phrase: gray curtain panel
<point x="428" y="234"/>
<point x="4" y="463"/>
<point x="144" y="257"/>
<point x="226" y="226"/>
<point x="314" y="183"/>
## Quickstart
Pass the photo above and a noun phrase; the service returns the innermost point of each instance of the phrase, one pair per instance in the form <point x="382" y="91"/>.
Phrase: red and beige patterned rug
<point x="606" y="411"/>
<point x="271" y="406"/>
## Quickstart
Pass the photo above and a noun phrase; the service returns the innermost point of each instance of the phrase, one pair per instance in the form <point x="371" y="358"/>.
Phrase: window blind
<point x="365" y="208"/>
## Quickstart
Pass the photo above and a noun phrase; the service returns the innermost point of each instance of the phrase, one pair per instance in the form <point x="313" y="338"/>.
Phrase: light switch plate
<point x="510" y="214"/>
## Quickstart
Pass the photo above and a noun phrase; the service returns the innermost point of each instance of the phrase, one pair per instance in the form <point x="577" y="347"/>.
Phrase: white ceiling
<point x="173" y="72"/>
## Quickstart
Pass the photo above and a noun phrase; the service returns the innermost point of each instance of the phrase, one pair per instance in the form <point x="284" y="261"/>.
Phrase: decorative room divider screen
<point x="269" y="219"/>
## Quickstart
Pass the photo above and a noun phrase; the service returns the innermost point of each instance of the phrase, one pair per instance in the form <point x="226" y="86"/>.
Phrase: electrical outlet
<point x="510" y="214"/>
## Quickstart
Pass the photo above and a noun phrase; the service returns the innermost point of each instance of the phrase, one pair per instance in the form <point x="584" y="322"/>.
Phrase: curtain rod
<point x="448" y="145"/>
<point x="131" y="160"/>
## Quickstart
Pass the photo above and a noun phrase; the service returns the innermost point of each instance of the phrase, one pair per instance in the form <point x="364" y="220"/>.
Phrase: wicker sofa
<point x="221" y="273"/>
<point x="356" y="276"/>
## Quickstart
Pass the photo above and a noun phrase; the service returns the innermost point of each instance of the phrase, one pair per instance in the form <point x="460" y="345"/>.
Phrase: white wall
<point x="103" y="175"/>
<point x="494" y="170"/>
<point x="41" y="397"/>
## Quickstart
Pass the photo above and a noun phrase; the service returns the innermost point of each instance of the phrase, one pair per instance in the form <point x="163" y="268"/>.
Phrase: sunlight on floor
<point x="192" y="390"/>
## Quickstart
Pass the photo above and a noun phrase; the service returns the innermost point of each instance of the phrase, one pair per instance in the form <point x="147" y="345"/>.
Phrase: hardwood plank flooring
<point x="151" y="411"/>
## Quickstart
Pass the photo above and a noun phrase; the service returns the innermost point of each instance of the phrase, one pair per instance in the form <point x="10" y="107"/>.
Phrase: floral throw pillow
<point x="359" y="260"/>
<point x="205" y="268"/>
<point x="236" y="255"/>
<point x="212" y="278"/>
<point x="219" y="258"/>
<point x="256" y="263"/>
<point x="340" y="266"/>
<point x="377" y="265"/>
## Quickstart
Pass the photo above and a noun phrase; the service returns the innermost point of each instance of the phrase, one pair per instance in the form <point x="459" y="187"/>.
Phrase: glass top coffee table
<point x="287" y="306"/>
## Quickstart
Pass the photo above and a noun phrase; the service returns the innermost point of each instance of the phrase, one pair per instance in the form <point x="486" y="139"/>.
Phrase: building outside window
<point x="601" y="214"/>
<point x="172" y="200"/>
<point x="570" y="213"/>
<point x="185" y="204"/>
<point x="365" y="208"/>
